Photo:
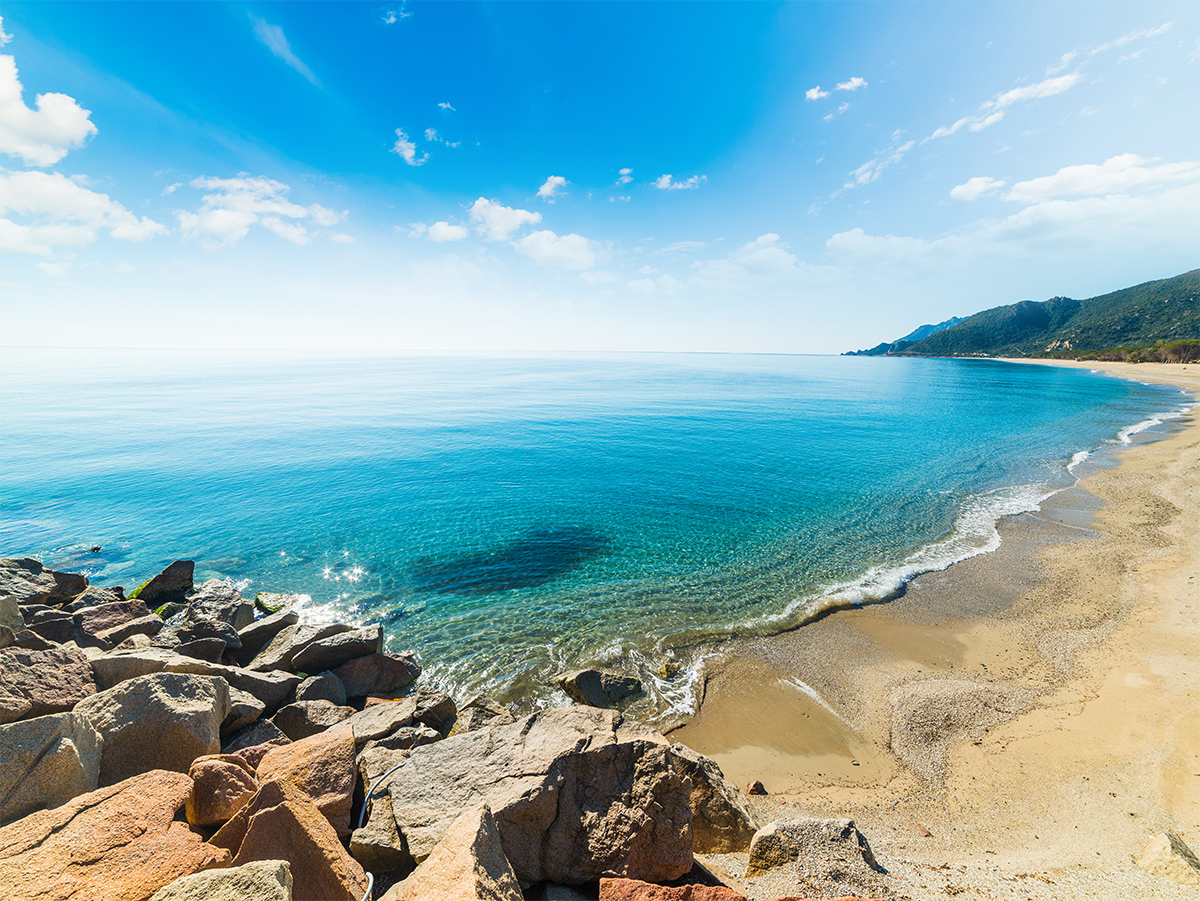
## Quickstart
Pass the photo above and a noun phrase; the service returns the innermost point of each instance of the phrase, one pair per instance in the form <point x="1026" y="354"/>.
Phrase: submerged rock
<point x="599" y="689"/>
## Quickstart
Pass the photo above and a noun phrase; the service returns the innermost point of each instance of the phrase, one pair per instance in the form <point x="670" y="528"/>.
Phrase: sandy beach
<point x="1018" y="726"/>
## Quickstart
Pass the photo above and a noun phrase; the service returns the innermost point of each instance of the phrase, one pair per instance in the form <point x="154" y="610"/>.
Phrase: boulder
<point x="52" y="625"/>
<point x="119" y="843"/>
<point x="169" y="586"/>
<point x="223" y="785"/>
<point x="721" y="818"/>
<point x="281" y="823"/>
<point x="46" y="761"/>
<point x="323" y="687"/>
<point x="144" y="625"/>
<point x="94" y="620"/>
<point x="259" y="633"/>
<point x="259" y="880"/>
<point x="305" y="718"/>
<point x="217" y="600"/>
<point x="380" y="720"/>
<point x="831" y="856"/>
<point x="378" y="673"/>
<point x="275" y="602"/>
<point x="211" y="628"/>
<point x="31" y="641"/>
<point x="468" y="864"/>
<point x="637" y="890"/>
<point x="599" y="689"/>
<point x="289" y="641"/>
<point x="578" y="793"/>
<point x="93" y="596"/>
<point x="377" y="843"/>
<point x="330" y="653"/>
<point x="244" y="709"/>
<point x="1170" y="857"/>
<point x="34" y="683"/>
<point x="405" y="738"/>
<point x="7" y="637"/>
<point x="322" y="767"/>
<point x="134" y="643"/>
<point x="112" y="669"/>
<point x="479" y="713"/>
<point x="434" y="708"/>
<point x="24" y="582"/>
<point x="162" y="721"/>
<point x="208" y="649"/>
<point x="257" y="733"/>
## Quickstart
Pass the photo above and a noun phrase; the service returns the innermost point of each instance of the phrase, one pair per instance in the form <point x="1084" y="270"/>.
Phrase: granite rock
<point x="289" y="641"/>
<point x="46" y="761"/>
<point x="34" y="683"/>
<point x="217" y="600"/>
<point x="336" y="650"/>
<point x="378" y="673"/>
<point x="721" y="817"/>
<point x="169" y="586"/>
<point x="599" y="689"/>
<point x="259" y="633"/>
<point x="259" y="880"/>
<point x="322" y="767"/>
<point x="323" y="687"/>
<point x="305" y="718"/>
<point x="468" y="864"/>
<point x="223" y="785"/>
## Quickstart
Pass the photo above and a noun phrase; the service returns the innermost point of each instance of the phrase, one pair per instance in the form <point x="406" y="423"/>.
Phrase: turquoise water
<point x="513" y="516"/>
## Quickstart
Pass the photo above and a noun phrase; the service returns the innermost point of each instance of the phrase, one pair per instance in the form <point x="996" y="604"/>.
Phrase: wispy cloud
<point x="445" y="104"/>
<point x="975" y="187"/>
<point x="815" y="93"/>
<point x="829" y="117"/>
<point x="873" y="168"/>
<point x="273" y="38"/>
<point x="1132" y="36"/>
<point x="432" y="135"/>
<point x="625" y="176"/>
<point x="407" y="150"/>
<point x="666" y="183"/>
<point x="394" y="14"/>
<point x="1116" y="175"/>
<point x="1063" y="62"/>
<point x="853" y="84"/>
<point x="234" y="204"/>
<point x="992" y="111"/>
<point x="551" y="188"/>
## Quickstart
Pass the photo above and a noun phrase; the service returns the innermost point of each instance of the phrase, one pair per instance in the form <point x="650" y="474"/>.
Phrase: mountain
<point x="1163" y="310"/>
<point x="897" y="346"/>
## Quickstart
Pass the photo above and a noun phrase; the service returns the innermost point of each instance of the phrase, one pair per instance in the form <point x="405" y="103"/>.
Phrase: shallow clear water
<point x="510" y="517"/>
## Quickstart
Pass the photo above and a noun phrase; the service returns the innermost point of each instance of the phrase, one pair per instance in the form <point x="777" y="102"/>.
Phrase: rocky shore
<point x="186" y="742"/>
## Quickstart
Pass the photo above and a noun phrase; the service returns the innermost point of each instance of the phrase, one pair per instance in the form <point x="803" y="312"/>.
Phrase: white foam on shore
<point x="1077" y="459"/>
<point x="814" y="694"/>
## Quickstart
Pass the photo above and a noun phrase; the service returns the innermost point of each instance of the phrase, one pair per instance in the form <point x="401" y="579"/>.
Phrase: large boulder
<point x="479" y="713"/>
<point x="322" y="767"/>
<point x="46" y="761"/>
<point x="578" y="793"/>
<point x="200" y="629"/>
<point x="259" y="633"/>
<point x="281" y="823"/>
<point x="830" y="856"/>
<point x="223" y="785"/>
<point x="596" y="688"/>
<point x="375" y="674"/>
<point x="217" y="600"/>
<point x="34" y="683"/>
<point x="305" y="718"/>
<point x="244" y="709"/>
<point x="323" y="687"/>
<point x="24" y="582"/>
<point x="93" y="596"/>
<point x="120" y="843"/>
<point x="336" y="650"/>
<point x="161" y="721"/>
<point x="377" y="843"/>
<point x="112" y="669"/>
<point x="637" y="890"/>
<point x="467" y="865"/>
<point x="144" y="625"/>
<point x="257" y="733"/>
<point x="259" y="880"/>
<point x="427" y="706"/>
<point x="289" y="641"/>
<point x="169" y="586"/>
<point x="94" y="620"/>
<point x="721" y="817"/>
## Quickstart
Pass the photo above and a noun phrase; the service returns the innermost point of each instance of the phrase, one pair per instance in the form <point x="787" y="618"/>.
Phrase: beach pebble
<point x="756" y="788"/>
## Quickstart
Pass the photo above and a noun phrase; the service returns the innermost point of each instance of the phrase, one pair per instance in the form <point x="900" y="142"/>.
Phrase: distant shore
<point x="1035" y="709"/>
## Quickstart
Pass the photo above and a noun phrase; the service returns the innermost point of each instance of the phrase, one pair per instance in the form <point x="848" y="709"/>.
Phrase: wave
<point x="1125" y="436"/>
<point x="1077" y="459"/>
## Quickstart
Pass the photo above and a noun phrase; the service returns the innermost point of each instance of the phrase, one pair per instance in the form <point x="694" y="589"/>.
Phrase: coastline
<point x="1033" y="708"/>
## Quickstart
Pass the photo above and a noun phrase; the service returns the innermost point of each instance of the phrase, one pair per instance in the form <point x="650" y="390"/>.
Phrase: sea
<point x="514" y="516"/>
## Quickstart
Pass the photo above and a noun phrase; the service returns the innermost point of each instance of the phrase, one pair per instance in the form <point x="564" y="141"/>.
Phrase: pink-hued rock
<point x="322" y="767"/>
<point x="224" y="784"/>
<point x="281" y="823"/>
<point x="94" y="620"/>
<point x="119" y="843"/>
<point x="636" y="890"/>
<point x="46" y="761"/>
<point x="34" y="683"/>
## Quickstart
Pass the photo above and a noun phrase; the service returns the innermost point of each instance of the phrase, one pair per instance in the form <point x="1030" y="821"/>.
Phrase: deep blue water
<point x="512" y="516"/>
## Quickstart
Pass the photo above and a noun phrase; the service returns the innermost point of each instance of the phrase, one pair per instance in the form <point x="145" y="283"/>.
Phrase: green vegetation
<point x="1155" y="321"/>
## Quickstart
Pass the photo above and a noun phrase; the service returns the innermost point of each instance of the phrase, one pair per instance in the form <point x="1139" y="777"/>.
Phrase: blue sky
<point x="765" y="177"/>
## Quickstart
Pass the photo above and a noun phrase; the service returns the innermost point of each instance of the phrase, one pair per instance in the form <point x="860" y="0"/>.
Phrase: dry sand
<point x="1036" y="710"/>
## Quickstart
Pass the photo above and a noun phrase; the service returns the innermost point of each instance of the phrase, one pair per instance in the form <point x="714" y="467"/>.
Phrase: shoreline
<point x="1009" y="704"/>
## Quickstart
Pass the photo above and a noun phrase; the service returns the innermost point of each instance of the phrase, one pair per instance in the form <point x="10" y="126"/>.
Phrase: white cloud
<point x="853" y="84"/>
<point x="1132" y="36"/>
<point x="684" y="246"/>
<point x="562" y="251"/>
<point x="60" y="212"/>
<point x="1063" y="62"/>
<point x="1048" y="87"/>
<point x="497" y="222"/>
<point x="4" y="38"/>
<point x="551" y="188"/>
<point x="407" y="150"/>
<point x="43" y="136"/>
<point x="665" y="183"/>
<point x="873" y="168"/>
<point x="643" y="287"/>
<point x="445" y="104"/>
<point x="763" y="259"/>
<point x="273" y="38"/>
<point x="395" y="14"/>
<point x="974" y="187"/>
<point x="1116" y="175"/>
<point x="815" y="93"/>
<point x="235" y="204"/>
<point x="341" y="239"/>
<point x="431" y="134"/>
<point x="648" y="270"/>
<point x="55" y="270"/>
<point x="444" y="231"/>
<point x="625" y="176"/>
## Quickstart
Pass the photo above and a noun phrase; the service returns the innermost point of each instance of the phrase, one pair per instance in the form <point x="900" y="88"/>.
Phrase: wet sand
<point x="1036" y="709"/>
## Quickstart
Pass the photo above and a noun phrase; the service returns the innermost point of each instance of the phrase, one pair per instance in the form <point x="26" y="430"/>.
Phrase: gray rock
<point x="259" y="880"/>
<point x="375" y="674"/>
<point x="831" y="856"/>
<point x="149" y="626"/>
<point x="577" y="793"/>
<point x="211" y="628"/>
<point x="24" y="581"/>
<point x="218" y="600"/>
<point x="305" y="718"/>
<point x="95" y="620"/>
<point x="290" y="640"/>
<point x="52" y="625"/>
<point x="599" y="689"/>
<point x="468" y="864"/>
<point x="244" y="709"/>
<point x="259" y="633"/>
<point x="31" y="641"/>
<point x="7" y="637"/>
<point x="210" y="649"/>
<point x="330" y="653"/>
<point x="134" y="643"/>
<point x="435" y="709"/>
<point x="323" y="687"/>
<point x="34" y="683"/>
<point x="169" y="586"/>
<point x="380" y="720"/>
<point x="257" y="733"/>
<point x="93" y="596"/>
<point x="46" y="761"/>
<point x="721" y="817"/>
<point x="161" y="721"/>
<point x="274" y="601"/>
<point x="479" y="713"/>
<point x="404" y="739"/>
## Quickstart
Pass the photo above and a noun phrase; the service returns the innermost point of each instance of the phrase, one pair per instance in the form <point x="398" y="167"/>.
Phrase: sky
<point x="720" y="177"/>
